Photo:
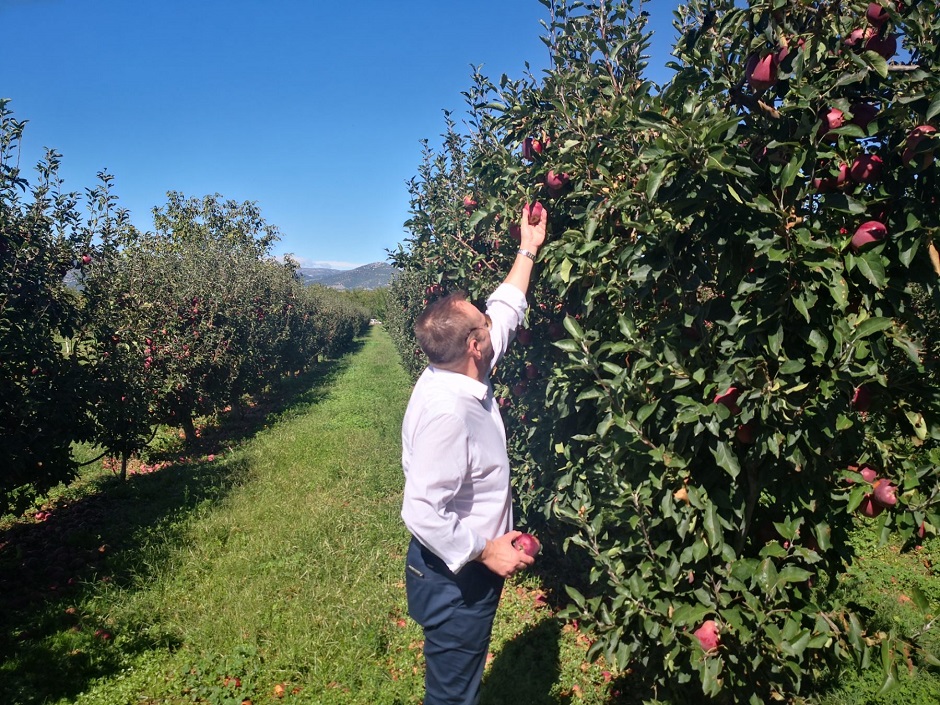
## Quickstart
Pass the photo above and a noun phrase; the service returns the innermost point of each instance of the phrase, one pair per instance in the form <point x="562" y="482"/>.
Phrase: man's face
<point x="480" y="332"/>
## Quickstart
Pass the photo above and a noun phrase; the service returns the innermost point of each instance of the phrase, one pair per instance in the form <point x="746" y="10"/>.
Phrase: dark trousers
<point x="456" y="611"/>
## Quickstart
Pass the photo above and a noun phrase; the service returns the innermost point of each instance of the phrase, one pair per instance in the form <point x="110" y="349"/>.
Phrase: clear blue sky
<point x="313" y="109"/>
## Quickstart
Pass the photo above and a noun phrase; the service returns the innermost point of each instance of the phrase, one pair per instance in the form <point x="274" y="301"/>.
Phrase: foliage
<point x="712" y="358"/>
<point x="41" y="240"/>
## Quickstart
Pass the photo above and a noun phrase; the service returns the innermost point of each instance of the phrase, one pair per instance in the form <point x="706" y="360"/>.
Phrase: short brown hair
<point x="442" y="329"/>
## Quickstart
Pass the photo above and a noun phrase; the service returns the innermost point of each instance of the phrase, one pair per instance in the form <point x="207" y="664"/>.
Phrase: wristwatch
<point x="526" y="253"/>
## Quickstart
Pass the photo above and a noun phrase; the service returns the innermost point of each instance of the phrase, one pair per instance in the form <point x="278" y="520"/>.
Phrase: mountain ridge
<point x="369" y="276"/>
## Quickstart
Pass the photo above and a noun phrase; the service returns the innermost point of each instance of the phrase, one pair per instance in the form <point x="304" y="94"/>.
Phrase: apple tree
<point x="729" y="365"/>
<point x="41" y="392"/>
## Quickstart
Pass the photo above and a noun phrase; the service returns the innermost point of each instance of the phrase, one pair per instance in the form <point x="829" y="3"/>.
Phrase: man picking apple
<point x="457" y="500"/>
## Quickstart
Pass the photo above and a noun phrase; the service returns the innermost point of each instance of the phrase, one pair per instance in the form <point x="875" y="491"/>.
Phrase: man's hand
<point x="503" y="558"/>
<point x="533" y="234"/>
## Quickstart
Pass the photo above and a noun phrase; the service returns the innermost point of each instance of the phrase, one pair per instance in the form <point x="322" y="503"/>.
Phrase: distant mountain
<point x="368" y="276"/>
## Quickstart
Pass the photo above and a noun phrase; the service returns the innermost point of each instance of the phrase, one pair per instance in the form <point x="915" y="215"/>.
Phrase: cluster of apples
<point x="882" y="496"/>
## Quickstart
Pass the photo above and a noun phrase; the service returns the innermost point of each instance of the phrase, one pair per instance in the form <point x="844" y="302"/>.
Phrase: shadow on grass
<point x="55" y="635"/>
<point x="526" y="669"/>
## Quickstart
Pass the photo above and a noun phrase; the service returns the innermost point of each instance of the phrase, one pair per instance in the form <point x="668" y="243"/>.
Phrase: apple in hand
<point x="528" y="544"/>
<point x="535" y="213"/>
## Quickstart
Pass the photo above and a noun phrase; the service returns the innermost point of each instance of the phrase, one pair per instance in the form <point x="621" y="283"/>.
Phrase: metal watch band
<point x="526" y="253"/>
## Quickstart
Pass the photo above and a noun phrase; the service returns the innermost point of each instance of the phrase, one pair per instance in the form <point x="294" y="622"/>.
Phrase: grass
<point x="266" y="564"/>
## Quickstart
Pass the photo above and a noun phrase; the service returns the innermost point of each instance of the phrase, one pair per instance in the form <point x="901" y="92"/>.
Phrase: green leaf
<point x="572" y="326"/>
<point x="655" y="179"/>
<point x="726" y="459"/>
<point x="934" y="108"/>
<point x="843" y="202"/>
<point x="872" y="268"/>
<point x="920" y="599"/>
<point x="873" y="325"/>
<point x="565" y="270"/>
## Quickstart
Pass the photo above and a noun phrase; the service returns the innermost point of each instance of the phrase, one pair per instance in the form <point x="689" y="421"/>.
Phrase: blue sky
<point x="313" y="109"/>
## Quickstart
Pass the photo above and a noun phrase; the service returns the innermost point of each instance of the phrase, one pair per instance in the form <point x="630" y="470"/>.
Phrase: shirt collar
<point x="461" y="382"/>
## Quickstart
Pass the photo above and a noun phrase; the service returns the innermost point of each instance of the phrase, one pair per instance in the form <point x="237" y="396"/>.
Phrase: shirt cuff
<point x="479" y="543"/>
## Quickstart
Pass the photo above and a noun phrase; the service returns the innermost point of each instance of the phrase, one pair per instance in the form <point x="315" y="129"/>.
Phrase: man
<point x="457" y="500"/>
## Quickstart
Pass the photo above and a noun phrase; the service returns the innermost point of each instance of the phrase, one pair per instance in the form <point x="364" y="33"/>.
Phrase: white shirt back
<point x="457" y="492"/>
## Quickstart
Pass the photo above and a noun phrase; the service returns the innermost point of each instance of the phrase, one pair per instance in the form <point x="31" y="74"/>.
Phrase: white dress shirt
<point x="457" y="492"/>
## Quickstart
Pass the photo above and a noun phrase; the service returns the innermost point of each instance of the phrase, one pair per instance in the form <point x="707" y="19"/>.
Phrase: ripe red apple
<point x="863" y="114"/>
<point x="86" y="259"/>
<point x="832" y="119"/>
<point x="877" y="14"/>
<point x="918" y="135"/>
<point x="832" y="183"/>
<point x="528" y="544"/>
<point x="524" y="336"/>
<point x="868" y="233"/>
<point x="729" y="398"/>
<point x="866" y="169"/>
<point x="531" y="370"/>
<point x="535" y="213"/>
<point x="861" y="399"/>
<point x="868" y="507"/>
<point x="469" y="204"/>
<point x="530" y="147"/>
<point x="761" y="72"/>
<point x="556" y="183"/>
<point x="708" y="635"/>
<point x="886" y="46"/>
<point x="858" y="37"/>
<point x="519" y="388"/>
<point x="745" y="433"/>
<point x="868" y="474"/>
<point x="885" y="494"/>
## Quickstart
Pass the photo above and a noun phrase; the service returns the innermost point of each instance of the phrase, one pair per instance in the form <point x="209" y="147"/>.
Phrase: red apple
<point x="745" y="433"/>
<point x="858" y="37"/>
<point x="469" y="204"/>
<point x="832" y="119"/>
<point x="918" y="135"/>
<point x="866" y="169"/>
<point x="832" y="183"/>
<point x="885" y="493"/>
<point x="863" y="114"/>
<point x="877" y="14"/>
<point x="886" y="46"/>
<point x="531" y="370"/>
<point x="761" y="72"/>
<point x="708" y="635"/>
<point x="86" y="259"/>
<point x="868" y="474"/>
<point x="535" y="213"/>
<point x="729" y="398"/>
<point x="528" y="544"/>
<point x="556" y="183"/>
<point x="519" y="388"/>
<point x="868" y="508"/>
<point x="861" y="399"/>
<point x="524" y="336"/>
<point x="868" y="233"/>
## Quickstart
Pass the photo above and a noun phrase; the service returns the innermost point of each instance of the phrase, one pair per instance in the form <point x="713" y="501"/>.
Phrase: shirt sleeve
<point x="506" y="308"/>
<point x="437" y="469"/>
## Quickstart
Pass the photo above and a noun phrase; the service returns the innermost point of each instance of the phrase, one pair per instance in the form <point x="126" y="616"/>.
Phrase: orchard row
<point x="107" y="332"/>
